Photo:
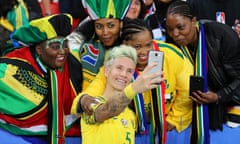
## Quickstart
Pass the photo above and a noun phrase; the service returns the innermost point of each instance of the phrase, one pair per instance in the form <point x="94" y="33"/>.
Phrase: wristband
<point x="129" y="92"/>
<point x="90" y="119"/>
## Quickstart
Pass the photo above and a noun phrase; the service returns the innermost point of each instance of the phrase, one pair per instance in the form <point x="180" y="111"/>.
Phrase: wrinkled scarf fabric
<point x="140" y="111"/>
<point x="200" y="120"/>
<point x="158" y="126"/>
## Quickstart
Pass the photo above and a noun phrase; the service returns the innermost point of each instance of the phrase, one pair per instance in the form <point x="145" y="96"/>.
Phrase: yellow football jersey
<point x="116" y="130"/>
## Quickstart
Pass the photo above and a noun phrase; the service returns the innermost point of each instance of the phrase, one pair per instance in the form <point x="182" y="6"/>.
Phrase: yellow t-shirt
<point x="116" y="130"/>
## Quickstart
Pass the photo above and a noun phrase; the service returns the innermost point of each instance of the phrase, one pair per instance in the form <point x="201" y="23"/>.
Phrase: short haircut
<point x="120" y="51"/>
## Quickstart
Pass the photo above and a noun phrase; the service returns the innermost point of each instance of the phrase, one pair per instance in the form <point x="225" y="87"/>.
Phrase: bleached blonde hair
<point x="120" y="51"/>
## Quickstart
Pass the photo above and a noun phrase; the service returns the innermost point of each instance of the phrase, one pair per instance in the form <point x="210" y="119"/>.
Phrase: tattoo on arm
<point x="112" y="107"/>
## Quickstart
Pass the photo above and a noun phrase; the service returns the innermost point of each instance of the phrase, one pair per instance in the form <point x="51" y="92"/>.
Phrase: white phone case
<point x="156" y="57"/>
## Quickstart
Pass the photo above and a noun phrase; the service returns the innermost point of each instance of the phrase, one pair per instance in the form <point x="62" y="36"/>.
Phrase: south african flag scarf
<point x="200" y="120"/>
<point x="56" y="127"/>
<point x="158" y="120"/>
<point x="158" y="125"/>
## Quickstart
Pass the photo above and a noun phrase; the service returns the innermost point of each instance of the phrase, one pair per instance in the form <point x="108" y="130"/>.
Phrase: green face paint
<point x="57" y="43"/>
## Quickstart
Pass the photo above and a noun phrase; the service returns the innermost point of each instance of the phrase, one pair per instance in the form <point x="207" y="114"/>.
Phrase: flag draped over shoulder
<point x="41" y="96"/>
<point x="23" y="94"/>
<point x="34" y="103"/>
<point x="106" y="8"/>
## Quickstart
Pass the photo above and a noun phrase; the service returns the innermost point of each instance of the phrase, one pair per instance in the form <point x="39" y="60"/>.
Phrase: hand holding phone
<point x="156" y="57"/>
<point x="196" y="83"/>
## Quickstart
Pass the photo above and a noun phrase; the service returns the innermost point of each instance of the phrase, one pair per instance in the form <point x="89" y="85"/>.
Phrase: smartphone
<point x="156" y="57"/>
<point x="196" y="83"/>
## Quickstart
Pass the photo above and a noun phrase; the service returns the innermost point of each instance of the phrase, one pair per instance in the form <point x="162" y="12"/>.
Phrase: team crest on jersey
<point x="90" y="54"/>
<point x="124" y="122"/>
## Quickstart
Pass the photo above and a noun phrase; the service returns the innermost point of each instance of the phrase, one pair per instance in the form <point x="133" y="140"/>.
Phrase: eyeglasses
<point x="57" y="43"/>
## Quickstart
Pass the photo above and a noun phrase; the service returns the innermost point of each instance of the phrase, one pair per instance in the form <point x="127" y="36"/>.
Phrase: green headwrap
<point x="106" y="8"/>
<point x="44" y="28"/>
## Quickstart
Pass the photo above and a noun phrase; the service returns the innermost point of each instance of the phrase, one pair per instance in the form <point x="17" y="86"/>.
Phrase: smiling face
<point x="142" y="42"/>
<point x="182" y="29"/>
<point x="108" y="30"/>
<point x="53" y="53"/>
<point x="120" y="73"/>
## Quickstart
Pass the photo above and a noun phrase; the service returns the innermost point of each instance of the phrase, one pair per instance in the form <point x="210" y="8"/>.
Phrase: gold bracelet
<point x="90" y="119"/>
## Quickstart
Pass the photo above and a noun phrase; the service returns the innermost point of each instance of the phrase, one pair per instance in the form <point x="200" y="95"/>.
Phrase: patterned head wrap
<point x="44" y="28"/>
<point x="106" y="8"/>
